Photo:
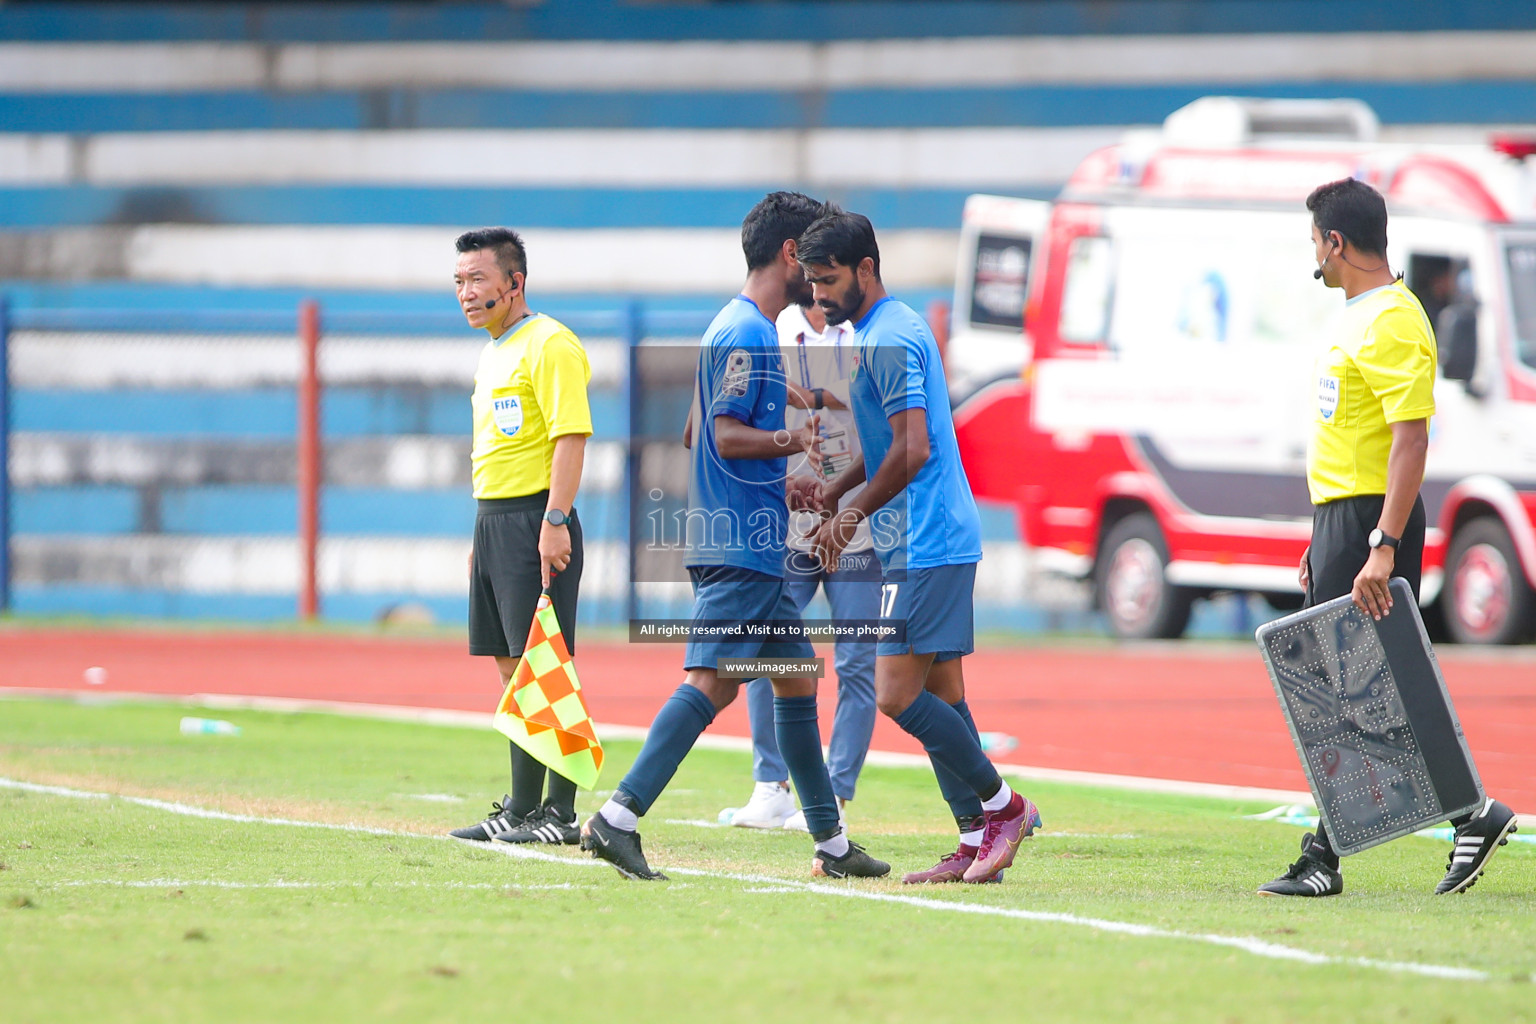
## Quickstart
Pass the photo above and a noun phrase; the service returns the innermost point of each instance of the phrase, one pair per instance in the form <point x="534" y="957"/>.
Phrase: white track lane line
<point x="1246" y="944"/>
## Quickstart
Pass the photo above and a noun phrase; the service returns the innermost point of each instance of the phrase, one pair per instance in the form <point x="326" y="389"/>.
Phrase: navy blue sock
<point x="965" y="804"/>
<point x="677" y="725"/>
<point x="799" y="736"/>
<point x="942" y="732"/>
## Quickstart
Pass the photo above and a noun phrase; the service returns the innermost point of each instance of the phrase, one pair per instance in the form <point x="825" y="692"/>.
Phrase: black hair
<point x="776" y="217"/>
<point x="841" y="238"/>
<point x="511" y="257"/>
<point x="1354" y="210"/>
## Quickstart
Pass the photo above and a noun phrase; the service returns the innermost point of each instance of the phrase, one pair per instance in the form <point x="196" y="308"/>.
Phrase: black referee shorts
<point x="1341" y="544"/>
<point x="505" y="583"/>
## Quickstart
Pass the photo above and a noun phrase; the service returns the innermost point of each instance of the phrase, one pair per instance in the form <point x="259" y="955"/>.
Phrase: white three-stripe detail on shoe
<point x="1315" y="881"/>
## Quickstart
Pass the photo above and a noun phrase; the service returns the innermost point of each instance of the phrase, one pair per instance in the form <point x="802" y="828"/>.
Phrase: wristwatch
<point x="1377" y="539"/>
<point x="554" y="517"/>
<point x="821" y="397"/>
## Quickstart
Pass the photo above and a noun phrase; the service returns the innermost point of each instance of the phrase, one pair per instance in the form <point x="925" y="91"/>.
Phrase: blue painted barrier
<point x="1010" y="106"/>
<point x="260" y="412"/>
<point x="487" y="20"/>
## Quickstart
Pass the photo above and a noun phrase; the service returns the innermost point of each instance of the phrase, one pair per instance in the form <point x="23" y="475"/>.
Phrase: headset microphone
<point x="1317" y="275"/>
<point x="511" y="291"/>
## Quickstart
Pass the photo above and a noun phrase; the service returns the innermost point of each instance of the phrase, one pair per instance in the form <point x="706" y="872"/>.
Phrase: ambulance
<point x="1133" y="363"/>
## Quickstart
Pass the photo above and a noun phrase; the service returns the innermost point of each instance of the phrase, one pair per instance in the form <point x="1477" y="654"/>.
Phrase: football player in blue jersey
<point x="735" y="531"/>
<point x="928" y="537"/>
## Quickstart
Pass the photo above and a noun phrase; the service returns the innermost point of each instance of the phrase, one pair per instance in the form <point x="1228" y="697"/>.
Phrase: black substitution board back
<point x="1373" y="724"/>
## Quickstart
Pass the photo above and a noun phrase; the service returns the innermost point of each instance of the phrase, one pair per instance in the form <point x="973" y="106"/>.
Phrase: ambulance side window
<point x="1438" y="281"/>
<point x="1088" y="289"/>
<point x="999" y="285"/>
<point x="1522" y="293"/>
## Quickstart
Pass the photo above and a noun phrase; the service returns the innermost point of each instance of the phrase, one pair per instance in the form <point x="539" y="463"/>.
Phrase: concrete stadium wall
<point x="136" y="160"/>
<point x="238" y="157"/>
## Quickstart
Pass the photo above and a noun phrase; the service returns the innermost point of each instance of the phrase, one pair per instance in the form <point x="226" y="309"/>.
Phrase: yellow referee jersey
<point x="530" y="388"/>
<point x="1376" y="369"/>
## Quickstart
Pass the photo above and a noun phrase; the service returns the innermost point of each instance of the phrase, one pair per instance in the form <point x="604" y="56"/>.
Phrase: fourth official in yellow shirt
<point x="1375" y="381"/>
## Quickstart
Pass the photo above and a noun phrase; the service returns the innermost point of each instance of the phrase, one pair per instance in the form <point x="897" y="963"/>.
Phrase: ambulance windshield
<point x="1522" y="293"/>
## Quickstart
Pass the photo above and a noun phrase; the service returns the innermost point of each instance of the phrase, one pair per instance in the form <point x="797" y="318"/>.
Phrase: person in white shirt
<point x="818" y="361"/>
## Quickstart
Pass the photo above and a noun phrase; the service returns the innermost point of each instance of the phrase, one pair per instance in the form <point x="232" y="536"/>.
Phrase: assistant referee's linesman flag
<point x="542" y="710"/>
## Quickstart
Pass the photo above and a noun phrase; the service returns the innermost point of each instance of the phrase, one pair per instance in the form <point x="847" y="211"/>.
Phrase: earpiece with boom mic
<point x="511" y="291"/>
<point x="1317" y="275"/>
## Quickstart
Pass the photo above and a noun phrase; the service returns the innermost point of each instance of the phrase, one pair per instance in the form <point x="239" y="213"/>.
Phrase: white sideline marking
<point x="179" y="883"/>
<point x="708" y="741"/>
<point x="1246" y="944"/>
<point x="189" y="810"/>
<point x="1306" y="817"/>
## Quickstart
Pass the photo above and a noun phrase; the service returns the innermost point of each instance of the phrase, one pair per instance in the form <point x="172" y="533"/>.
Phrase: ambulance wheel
<point x="1486" y="597"/>
<point x="1132" y="582"/>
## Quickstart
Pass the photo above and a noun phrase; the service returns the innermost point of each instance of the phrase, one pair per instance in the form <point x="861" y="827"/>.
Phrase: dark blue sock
<point x="799" y="736"/>
<point x="677" y="725"/>
<point x="965" y="804"/>
<point x="942" y="732"/>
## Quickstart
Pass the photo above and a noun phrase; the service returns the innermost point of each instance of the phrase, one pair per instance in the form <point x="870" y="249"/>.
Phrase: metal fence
<point x="158" y="466"/>
<point x="158" y="463"/>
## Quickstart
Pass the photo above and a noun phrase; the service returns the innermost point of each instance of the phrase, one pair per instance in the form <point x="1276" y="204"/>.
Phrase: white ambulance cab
<point x="1165" y="318"/>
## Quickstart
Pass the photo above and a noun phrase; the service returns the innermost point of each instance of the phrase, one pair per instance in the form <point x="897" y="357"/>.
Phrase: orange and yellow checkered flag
<point x="542" y="710"/>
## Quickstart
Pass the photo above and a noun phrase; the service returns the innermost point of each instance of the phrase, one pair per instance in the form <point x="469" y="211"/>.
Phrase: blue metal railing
<point x="634" y="321"/>
<point x="5" y="459"/>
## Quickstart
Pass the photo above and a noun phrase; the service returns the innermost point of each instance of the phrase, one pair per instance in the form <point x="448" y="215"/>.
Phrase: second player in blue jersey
<point x="925" y="528"/>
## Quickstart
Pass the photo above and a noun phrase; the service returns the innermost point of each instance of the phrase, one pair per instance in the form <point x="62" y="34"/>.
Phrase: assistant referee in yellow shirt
<point x="531" y="423"/>
<point x="1375" y="383"/>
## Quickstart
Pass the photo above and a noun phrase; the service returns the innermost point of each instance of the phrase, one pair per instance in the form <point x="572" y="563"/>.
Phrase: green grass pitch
<point x="1129" y="907"/>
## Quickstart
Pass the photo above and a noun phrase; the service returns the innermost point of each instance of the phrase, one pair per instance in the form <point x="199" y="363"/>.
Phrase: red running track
<point x="1194" y="712"/>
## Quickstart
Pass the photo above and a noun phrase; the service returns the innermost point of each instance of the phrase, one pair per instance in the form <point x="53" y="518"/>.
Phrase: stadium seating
<point x="164" y="167"/>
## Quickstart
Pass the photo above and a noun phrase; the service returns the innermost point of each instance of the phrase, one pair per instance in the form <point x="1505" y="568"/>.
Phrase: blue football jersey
<point x="736" y="509"/>
<point x="934" y="520"/>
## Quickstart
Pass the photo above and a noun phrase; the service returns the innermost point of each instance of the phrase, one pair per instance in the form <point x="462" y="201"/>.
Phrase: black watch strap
<point x="1379" y="538"/>
<point x="820" y="396"/>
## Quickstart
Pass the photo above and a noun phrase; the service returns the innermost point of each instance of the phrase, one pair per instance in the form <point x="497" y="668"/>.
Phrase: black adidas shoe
<point x="544" y="825"/>
<point x="1476" y="843"/>
<point x="1309" y="876"/>
<point x="853" y="864"/>
<point x="499" y="822"/>
<point x="619" y="848"/>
